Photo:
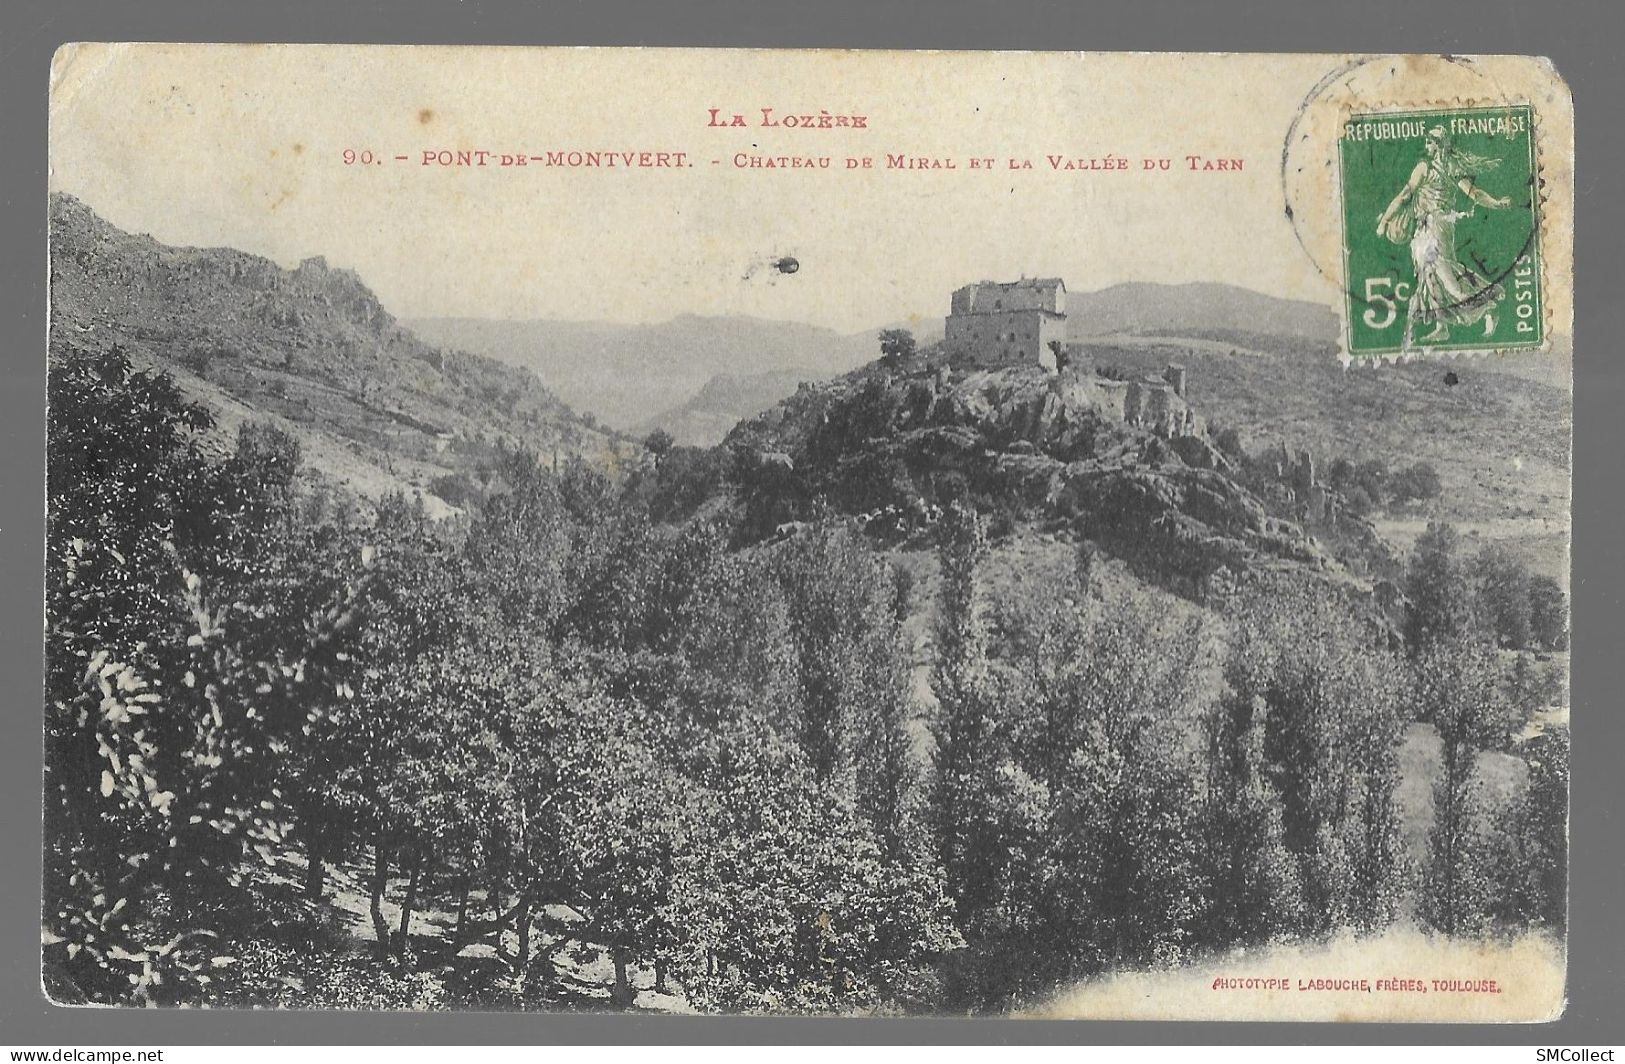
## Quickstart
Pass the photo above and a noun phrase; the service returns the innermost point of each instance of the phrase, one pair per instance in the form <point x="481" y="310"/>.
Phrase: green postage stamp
<point x="1441" y="222"/>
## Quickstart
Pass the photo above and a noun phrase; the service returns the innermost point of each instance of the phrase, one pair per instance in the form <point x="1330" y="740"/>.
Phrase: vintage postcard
<point x="859" y="533"/>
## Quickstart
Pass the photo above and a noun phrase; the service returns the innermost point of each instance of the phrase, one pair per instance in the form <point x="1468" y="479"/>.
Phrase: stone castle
<point x="998" y="324"/>
<point x="1008" y="323"/>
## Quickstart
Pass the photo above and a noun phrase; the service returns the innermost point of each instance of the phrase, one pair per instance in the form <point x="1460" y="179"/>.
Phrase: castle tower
<point x="1010" y="323"/>
<point x="1175" y="375"/>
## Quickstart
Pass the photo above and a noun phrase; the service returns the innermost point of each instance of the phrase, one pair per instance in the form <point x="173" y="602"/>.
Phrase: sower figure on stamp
<point x="1448" y="292"/>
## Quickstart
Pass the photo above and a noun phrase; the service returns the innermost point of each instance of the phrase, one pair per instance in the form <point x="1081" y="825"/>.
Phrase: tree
<point x="659" y="443"/>
<point x="1257" y="891"/>
<point x="520" y="542"/>
<point x="417" y="608"/>
<point x="965" y="756"/>
<point x="1124" y="836"/>
<point x="1071" y="833"/>
<point x="788" y="901"/>
<point x="896" y="345"/>
<point x="1228" y="441"/>
<point x="1548" y="613"/>
<point x="603" y="826"/>
<point x="1419" y="482"/>
<point x="1439" y="589"/>
<point x="1456" y="685"/>
<point x="1504" y="596"/>
<point x="1372" y="476"/>
<point x="850" y="668"/>
<point x="1330" y="695"/>
<point x="181" y="678"/>
<point x="1545" y="826"/>
<point x="122" y="468"/>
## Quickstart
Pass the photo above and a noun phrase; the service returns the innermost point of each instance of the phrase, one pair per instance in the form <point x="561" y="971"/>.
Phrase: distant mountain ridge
<point x="626" y="374"/>
<point x="640" y="376"/>
<point x="372" y="405"/>
<point x="1140" y="307"/>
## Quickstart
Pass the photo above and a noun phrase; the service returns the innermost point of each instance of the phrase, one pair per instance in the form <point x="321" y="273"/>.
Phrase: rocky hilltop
<point x="374" y="406"/>
<point x="1124" y="461"/>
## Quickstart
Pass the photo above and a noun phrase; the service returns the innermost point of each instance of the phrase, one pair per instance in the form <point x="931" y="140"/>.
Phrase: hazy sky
<point x="243" y="146"/>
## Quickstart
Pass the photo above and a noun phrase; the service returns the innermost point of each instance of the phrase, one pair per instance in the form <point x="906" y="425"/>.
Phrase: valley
<point x="743" y="666"/>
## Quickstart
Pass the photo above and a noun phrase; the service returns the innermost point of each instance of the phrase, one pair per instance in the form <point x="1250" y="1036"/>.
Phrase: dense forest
<point x="595" y="717"/>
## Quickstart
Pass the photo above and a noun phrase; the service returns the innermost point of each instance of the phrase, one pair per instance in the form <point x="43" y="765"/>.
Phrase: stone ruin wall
<point x="1151" y="404"/>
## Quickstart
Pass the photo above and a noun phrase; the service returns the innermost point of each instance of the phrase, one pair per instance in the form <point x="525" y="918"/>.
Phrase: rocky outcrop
<point x="1029" y="445"/>
<point x="1178" y="522"/>
<point x="311" y="345"/>
<point x="1198" y="453"/>
<point x="1005" y="408"/>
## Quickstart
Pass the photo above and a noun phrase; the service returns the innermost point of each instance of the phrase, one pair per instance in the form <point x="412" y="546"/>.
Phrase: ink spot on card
<point x="425" y="116"/>
<point x="1451" y="380"/>
<point x="770" y="268"/>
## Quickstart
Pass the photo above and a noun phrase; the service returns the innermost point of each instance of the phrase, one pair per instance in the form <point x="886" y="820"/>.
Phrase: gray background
<point x="1580" y="38"/>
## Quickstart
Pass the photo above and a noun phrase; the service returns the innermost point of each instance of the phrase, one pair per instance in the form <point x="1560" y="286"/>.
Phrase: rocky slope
<point x="893" y="446"/>
<point x="373" y="406"/>
<point x="725" y="400"/>
<point x="1497" y="436"/>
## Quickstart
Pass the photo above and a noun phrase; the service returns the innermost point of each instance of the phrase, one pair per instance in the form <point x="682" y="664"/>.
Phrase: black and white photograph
<point x="810" y="532"/>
